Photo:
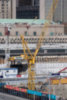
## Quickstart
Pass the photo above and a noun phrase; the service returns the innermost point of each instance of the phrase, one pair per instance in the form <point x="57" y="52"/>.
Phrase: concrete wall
<point x="14" y="9"/>
<point x="42" y="9"/>
<point x="52" y="30"/>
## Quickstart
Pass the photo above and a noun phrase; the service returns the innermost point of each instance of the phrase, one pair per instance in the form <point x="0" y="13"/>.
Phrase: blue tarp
<point x="34" y="92"/>
<point x="52" y="97"/>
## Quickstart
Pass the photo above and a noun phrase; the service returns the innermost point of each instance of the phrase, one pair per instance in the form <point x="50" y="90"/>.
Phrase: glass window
<point x="26" y="33"/>
<point x="25" y="2"/>
<point x="36" y="2"/>
<point x="0" y="34"/>
<point x="51" y="33"/>
<point x="17" y="34"/>
<point x="7" y="71"/>
<point x="34" y="33"/>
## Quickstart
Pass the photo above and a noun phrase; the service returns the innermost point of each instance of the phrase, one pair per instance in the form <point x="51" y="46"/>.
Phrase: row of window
<point x="35" y="34"/>
<point x="29" y="14"/>
<point x="4" y="14"/>
<point x="26" y="33"/>
<point x="54" y="34"/>
<point x="31" y="40"/>
<point x="3" y="6"/>
<point x="51" y="59"/>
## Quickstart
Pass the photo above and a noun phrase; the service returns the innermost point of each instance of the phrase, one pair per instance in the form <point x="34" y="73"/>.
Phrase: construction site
<point x="33" y="55"/>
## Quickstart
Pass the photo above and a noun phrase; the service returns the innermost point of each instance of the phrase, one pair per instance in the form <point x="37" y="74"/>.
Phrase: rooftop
<point x="23" y="21"/>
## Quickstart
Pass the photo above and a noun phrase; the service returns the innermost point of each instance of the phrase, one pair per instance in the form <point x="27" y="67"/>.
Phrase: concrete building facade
<point x="30" y="9"/>
<point x="30" y="28"/>
<point x="8" y="9"/>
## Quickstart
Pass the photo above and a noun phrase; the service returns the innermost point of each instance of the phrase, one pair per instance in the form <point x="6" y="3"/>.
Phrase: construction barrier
<point x="24" y="93"/>
<point x="34" y="92"/>
<point x="58" y="81"/>
<point x="52" y="97"/>
<point x="2" y="84"/>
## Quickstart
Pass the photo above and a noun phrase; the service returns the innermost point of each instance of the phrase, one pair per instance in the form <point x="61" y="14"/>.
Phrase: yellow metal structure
<point x="31" y="57"/>
<point x="59" y="81"/>
<point x="45" y="28"/>
<point x="21" y="57"/>
<point x="55" y="82"/>
<point x="31" y="68"/>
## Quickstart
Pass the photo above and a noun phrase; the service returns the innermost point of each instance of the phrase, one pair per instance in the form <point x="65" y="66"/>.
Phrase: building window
<point x="17" y="33"/>
<point x="0" y="34"/>
<point x="51" y="33"/>
<point x="26" y="33"/>
<point x="34" y="33"/>
<point x="2" y="4"/>
<point x="7" y="71"/>
<point x="65" y="33"/>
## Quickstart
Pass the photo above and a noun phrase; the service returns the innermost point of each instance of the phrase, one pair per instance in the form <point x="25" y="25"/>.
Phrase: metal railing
<point x="31" y="39"/>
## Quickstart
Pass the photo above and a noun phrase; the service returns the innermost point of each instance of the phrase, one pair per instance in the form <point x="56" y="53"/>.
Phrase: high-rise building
<point x="60" y="13"/>
<point x="30" y="9"/>
<point x="7" y="8"/>
<point x="40" y="8"/>
<point x="27" y="9"/>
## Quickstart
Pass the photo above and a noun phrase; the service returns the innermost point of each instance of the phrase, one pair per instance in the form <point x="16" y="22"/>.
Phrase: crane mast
<point x="31" y="58"/>
<point x="27" y="53"/>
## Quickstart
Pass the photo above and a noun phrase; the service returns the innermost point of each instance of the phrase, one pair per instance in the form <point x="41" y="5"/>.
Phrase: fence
<point x="24" y="93"/>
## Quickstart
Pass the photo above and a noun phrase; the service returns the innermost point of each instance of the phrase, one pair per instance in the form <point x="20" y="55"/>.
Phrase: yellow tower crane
<point x="31" y="57"/>
<point x="27" y="53"/>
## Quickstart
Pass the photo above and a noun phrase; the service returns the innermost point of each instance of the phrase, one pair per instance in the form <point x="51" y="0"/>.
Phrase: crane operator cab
<point x="18" y="62"/>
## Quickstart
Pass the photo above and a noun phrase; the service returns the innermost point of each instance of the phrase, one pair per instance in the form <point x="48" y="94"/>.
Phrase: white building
<point x="8" y="72"/>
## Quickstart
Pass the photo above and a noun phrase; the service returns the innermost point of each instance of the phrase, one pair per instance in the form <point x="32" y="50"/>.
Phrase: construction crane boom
<point x="45" y="28"/>
<point x="25" y="47"/>
<point x="31" y="58"/>
<point x="27" y="53"/>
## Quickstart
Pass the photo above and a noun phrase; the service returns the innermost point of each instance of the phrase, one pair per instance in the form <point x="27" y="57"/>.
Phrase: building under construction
<point x="38" y="49"/>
